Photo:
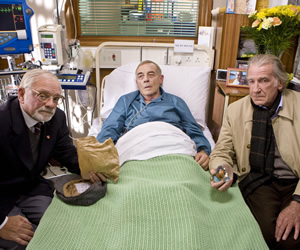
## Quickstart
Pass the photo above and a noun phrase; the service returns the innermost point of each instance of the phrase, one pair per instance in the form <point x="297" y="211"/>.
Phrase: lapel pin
<point x="48" y="137"/>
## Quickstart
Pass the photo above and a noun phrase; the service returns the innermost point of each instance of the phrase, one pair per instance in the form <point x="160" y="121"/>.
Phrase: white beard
<point x="43" y="116"/>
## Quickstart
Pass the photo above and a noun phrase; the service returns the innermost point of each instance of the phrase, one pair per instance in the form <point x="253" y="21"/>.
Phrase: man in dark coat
<point x="25" y="151"/>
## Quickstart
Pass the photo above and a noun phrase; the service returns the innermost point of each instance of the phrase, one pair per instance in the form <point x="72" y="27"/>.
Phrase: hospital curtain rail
<point x="160" y="18"/>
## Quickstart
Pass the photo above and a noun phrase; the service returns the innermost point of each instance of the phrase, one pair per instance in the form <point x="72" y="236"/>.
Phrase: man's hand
<point x="288" y="219"/>
<point x="17" y="229"/>
<point x="95" y="177"/>
<point x="221" y="185"/>
<point x="202" y="159"/>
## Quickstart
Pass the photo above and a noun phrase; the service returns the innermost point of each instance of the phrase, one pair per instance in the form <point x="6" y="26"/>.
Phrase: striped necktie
<point x="37" y="128"/>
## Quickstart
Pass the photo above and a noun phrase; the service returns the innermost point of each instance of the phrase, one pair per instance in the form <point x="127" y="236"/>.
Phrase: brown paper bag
<point x="99" y="157"/>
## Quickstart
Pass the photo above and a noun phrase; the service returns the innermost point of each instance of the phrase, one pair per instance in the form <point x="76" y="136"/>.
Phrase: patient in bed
<point x="150" y="103"/>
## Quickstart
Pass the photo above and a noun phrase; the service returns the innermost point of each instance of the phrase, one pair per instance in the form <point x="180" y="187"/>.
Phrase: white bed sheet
<point x="161" y="139"/>
<point x="96" y="128"/>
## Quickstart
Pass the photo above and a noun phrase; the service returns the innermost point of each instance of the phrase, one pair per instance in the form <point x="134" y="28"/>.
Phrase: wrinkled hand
<point x="202" y="159"/>
<point x="17" y="229"/>
<point x="95" y="177"/>
<point x="288" y="219"/>
<point x="221" y="185"/>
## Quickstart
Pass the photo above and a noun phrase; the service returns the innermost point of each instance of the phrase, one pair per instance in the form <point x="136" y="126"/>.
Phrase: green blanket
<point x="162" y="203"/>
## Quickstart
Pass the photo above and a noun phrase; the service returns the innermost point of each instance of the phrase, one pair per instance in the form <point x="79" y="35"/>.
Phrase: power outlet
<point x="110" y="59"/>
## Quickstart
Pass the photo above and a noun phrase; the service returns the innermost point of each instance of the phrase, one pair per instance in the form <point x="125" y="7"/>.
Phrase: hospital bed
<point x="162" y="200"/>
<point x="192" y="84"/>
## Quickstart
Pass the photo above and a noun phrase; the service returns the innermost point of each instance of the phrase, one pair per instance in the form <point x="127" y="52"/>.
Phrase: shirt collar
<point x="278" y="107"/>
<point x="158" y="99"/>
<point x="30" y="122"/>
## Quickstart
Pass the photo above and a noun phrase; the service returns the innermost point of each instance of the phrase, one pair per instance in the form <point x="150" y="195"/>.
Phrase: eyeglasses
<point x="44" y="98"/>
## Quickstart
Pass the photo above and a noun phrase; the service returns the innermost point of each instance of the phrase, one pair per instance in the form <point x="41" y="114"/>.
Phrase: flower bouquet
<point x="274" y="29"/>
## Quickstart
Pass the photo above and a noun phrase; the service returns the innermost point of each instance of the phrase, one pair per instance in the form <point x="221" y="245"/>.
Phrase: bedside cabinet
<point x="223" y="96"/>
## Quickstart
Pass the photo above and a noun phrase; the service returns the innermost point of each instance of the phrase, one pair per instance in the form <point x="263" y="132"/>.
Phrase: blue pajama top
<point x="131" y="110"/>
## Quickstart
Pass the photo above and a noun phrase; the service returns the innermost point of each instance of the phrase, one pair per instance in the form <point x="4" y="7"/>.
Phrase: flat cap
<point x="66" y="190"/>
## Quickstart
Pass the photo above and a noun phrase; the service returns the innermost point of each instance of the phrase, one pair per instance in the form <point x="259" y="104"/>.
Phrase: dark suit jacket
<point x="18" y="174"/>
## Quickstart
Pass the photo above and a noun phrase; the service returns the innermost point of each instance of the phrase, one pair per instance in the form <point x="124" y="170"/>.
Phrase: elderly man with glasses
<point x="32" y="131"/>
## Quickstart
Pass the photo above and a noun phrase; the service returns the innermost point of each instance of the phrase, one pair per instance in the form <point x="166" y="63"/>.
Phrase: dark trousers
<point x="31" y="207"/>
<point x="266" y="202"/>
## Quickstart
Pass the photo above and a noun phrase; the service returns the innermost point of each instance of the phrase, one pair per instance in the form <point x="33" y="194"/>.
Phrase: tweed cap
<point x="94" y="193"/>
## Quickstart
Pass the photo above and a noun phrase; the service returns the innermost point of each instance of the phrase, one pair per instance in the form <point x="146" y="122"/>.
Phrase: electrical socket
<point x="110" y="59"/>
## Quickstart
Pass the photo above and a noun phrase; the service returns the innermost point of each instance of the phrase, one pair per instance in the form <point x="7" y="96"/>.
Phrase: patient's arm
<point x="202" y="159"/>
<point x="114" y="124"/>
<point x="18" y="229"/>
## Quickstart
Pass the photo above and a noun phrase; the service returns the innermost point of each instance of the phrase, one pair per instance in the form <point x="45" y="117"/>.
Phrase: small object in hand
<point x="221" y="175"/>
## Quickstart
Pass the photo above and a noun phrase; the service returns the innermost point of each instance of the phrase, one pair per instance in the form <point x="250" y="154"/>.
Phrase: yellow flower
<point x="274" y="29"/>
<point x="276" y="21"/>
<point x="252" y="14"/>
<point x="267" y="23"/>
<point x="256" y="23"/>
<point x="272" y="11"/>
<point x="289" y="12"/>
<point x="260" y="26"/>
<point x="261" y="15"/>
<point x="290" y="77"/>
<point x="295" y="9"/>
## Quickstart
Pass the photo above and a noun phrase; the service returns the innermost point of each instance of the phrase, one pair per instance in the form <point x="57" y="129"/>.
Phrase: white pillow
<point x="189" y="83"/>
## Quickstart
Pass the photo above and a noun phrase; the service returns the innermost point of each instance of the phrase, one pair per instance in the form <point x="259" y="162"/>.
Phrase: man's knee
<point x="41" y="204"/>
<point x="34" y="207"/>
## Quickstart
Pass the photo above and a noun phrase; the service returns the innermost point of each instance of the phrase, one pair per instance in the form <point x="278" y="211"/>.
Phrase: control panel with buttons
<point x="73" y="81"/>
<point x="6" y="37"/>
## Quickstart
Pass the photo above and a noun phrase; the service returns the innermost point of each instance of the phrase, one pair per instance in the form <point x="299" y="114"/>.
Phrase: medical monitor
<point x="15" y="32"/>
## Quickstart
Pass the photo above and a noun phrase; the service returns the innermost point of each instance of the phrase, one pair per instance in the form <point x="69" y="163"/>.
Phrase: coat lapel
<point x="20" y="139"/>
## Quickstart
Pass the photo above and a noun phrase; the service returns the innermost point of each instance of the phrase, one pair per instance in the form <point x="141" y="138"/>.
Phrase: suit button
<point x="243" y="169"/>
<point x="248" y="146"/>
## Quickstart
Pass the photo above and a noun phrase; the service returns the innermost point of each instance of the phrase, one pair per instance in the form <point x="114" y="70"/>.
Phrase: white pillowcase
<point x="189" y="83"/>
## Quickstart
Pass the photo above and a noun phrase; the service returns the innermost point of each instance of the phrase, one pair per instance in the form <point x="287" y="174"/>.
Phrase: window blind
<point x="176" y="18"/>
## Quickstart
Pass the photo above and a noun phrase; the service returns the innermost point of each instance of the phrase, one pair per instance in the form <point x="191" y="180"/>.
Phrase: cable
<point x="91" y="104"/>
<point x="78" y="100"/>
<point x="57" y="12"/>
<point x="82" y="123"/>
<point x="71" y="4"/>
<point x="95" y="98"/>
<point x="63" y="2"/>
<point x="90" y="107"/>
<point x="126" y="130"/>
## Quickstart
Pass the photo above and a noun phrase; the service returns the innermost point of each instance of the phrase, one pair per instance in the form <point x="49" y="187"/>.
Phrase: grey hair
<point x="146" y="62"/>
<point x="278" y="70"/>
<point x="34" y="76"/>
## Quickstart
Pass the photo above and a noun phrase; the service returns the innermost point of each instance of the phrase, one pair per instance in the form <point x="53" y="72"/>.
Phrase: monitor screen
<point x="46" y="36"/>
<point x="67" y="77"/>
<point x="12" y="17"/>
<point x="15" y="29"/>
